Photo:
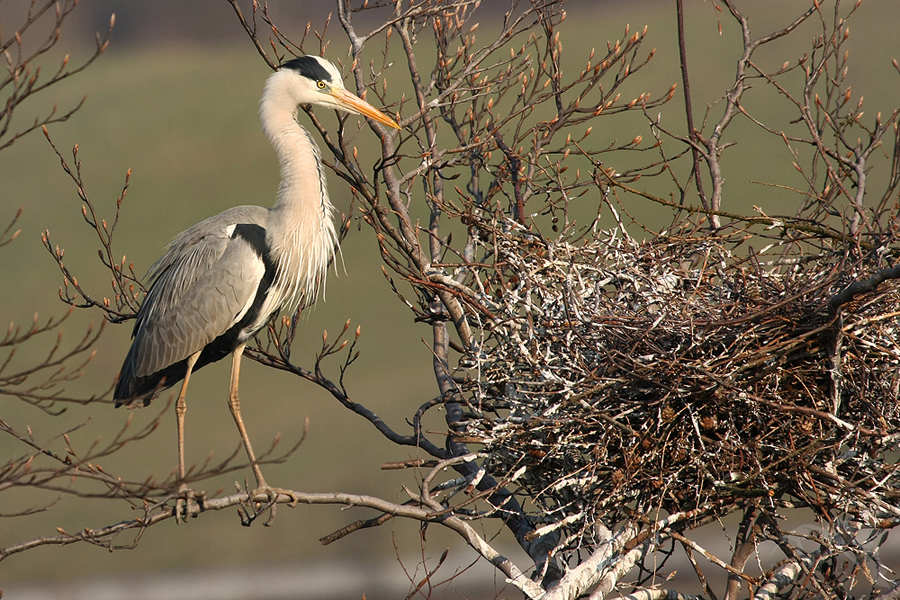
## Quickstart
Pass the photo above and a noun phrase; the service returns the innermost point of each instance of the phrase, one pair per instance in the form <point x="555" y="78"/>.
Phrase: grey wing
<point x="185" y="241"/>
<point x="204" y="284"/>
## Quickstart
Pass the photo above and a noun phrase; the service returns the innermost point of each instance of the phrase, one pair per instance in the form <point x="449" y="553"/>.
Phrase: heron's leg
<point x="180" y="409"/>
<point x="234" y="404"/>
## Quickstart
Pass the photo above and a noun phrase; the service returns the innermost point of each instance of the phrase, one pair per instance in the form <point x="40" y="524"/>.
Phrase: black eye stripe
<point x="310" y="67"/>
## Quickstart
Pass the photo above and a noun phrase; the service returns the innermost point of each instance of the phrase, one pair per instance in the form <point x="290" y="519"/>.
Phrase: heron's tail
<point x="132" y="390"/>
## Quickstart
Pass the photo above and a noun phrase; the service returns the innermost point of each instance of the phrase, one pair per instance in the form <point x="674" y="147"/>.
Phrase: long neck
<point x="300" y="233"/>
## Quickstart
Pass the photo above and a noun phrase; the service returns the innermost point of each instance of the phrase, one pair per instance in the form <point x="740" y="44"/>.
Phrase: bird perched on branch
<point x="220" y="281"/>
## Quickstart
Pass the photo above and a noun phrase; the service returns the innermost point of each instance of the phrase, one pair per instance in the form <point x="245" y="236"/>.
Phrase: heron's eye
<point x="320" y="85"/>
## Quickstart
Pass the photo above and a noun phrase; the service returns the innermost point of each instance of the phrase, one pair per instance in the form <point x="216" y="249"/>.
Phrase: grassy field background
<point x="181" y="113"/>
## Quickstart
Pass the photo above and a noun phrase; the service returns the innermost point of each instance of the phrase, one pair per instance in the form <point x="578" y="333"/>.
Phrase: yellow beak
<point x="357" y="105"/>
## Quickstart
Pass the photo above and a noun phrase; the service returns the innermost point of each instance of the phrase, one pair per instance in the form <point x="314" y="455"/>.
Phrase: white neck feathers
<point x="300" y="233"/>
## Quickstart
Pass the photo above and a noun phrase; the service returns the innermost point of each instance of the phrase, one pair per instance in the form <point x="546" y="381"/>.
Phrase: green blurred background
<point x="175" y="100"/>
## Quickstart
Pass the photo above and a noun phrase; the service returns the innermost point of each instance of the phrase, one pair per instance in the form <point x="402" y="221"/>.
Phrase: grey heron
<point x="219" y="282"/>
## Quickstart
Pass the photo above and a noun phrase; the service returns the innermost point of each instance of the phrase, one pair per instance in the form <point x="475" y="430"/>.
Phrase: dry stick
<point x="658" y="594"/>
<point x="706" y="587"/>
<point x="713" y="148"/>
<point x="861" y="287"/>
<point x="21" y="65"/>
<point x="428" y="576"/>
<point x="428" y="122"/>
<point x="888" y="508"/>
<point x="530" y="588"/>
<point x="121" y="286"/>
<point x="355" y="526"/>
<point x="514" y="163"/>
<point x="711" y="557"/>
<point x="692" y="133"/>
<point x="786" y="223"/>
<point x="251" y="31"/>
<point x="795" y="409"/>
<point x="30" y="20"/>
<point x="894" y="180"/>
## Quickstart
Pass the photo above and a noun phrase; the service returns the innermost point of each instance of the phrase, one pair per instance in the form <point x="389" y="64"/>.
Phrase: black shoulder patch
<point x="254" y="235"/>
<point x="308" y="66"/>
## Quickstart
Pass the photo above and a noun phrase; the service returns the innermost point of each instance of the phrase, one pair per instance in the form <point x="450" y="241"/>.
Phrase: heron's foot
<point x="265" y="498"/>
<point x="188" y="503"/>
<point x="274" y="495"/>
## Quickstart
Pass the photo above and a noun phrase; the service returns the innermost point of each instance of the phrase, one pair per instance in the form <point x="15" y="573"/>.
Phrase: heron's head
<point x="314" y="80"/>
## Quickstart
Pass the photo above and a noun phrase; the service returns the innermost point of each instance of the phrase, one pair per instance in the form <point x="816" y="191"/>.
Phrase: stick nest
<point x="673" y="374"/>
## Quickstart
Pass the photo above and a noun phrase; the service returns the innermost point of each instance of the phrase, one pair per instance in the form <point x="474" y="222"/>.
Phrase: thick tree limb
<point x="783" y="576"/>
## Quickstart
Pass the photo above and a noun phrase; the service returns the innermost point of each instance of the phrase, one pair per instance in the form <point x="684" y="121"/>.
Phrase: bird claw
<point x="273" y="494"/>
<point x="259" y="506"/>
<point x="187" y="503"/>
